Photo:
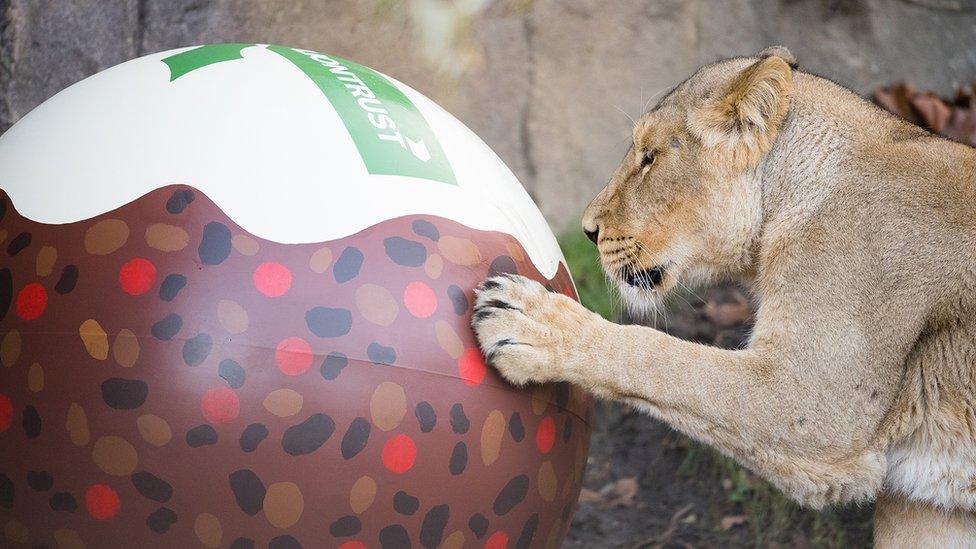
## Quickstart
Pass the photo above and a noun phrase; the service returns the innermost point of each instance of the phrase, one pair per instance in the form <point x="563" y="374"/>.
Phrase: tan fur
<point x="856" y="232"/>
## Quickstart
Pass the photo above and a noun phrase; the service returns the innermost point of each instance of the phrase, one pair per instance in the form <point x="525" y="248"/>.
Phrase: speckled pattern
<point x="169" y="379"/>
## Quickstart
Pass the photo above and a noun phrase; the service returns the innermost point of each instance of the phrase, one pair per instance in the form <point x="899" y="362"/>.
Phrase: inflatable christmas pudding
<point x="235" y="292"/>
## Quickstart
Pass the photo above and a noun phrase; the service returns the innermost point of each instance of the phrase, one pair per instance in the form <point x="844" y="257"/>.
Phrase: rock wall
<point x="542" y="81"/>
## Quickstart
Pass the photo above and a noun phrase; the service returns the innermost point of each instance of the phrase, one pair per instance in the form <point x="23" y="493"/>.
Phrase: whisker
<point x="632" y="121"/>
<point x="651" y="98"/>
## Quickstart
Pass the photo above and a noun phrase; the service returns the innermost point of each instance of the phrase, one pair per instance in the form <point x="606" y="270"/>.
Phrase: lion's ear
<point x="779" y="51"/>
<point x="744" y="118"/>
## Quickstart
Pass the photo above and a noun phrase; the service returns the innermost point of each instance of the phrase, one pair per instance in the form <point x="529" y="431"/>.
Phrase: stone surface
<point x="543" y="82"/>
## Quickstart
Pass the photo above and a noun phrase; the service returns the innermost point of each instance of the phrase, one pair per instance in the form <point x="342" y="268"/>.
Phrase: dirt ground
<point x="649" y="486"/>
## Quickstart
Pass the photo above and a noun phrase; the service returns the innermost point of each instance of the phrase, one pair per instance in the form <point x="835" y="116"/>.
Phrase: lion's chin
<point x="642" y="303"/>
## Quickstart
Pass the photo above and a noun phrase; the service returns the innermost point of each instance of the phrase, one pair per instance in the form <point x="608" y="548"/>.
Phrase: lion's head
<point x="684" y="204"/>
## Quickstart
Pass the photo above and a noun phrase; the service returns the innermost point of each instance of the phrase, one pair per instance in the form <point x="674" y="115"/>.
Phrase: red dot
<point x="399" y="454"/>
<point x="6" y="413"/>
<point x="272" y="279"/>
<point x="137" y="276"/>
<point x="545" y="436"/>
<point x="101" y="501"/>
<point x="420" y="300"/>
<point x="471" y="366"/>
<point x="353" y="545"/>
<point x="31" y="301"/>
<point x="294" y="356"/>
<point x="220" y="405"/>
<point x="498" y="540"/>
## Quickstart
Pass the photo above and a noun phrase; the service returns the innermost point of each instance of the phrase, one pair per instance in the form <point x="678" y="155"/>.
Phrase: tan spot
<point x="376" y="304"/>
<point x="166" y="238"/>
<point x="448" y="339"/>
<point x="454" y="541"/>
<point x="362" y="494"/>
<point x="433" y="266"/>
<point x="3" y="235"/>
<point x="35" y="378"/>
<point x="154" y="429"/>
<point x="459" y="251"/>
<point x="10" y="348"/>
<point x="126" y="348"/>
<point x="554" y="538"/>
<point x="232" y="316"/>
<point x="16" y="531"/>
<point x="491" y="437"/>
<point x="388" y="406"/>
<point x="547" y="481"/>
<point x="321" y="260"/>
<point x="46" y="258"/>
<point x="283" y="402"/>
<point x="106" y="236"/>
<point x="115" y="455"/>
<point x="94" y="338"/>
<point x="244" y="244"/>
<point x="208" y="530"/>
<point x="515" y="251"/>
<point x="283" y="504"/>
<point x="541" y="395"/>
<point x="77" y="425"/>
<point x="68" y="539"/>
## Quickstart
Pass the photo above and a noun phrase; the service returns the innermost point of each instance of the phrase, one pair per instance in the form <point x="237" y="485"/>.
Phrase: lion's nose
<point x="593" y="234"/>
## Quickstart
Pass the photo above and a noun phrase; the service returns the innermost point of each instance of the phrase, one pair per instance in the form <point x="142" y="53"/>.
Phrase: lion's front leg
<point x="529" y="334"/>
<point x="749" y="403"/>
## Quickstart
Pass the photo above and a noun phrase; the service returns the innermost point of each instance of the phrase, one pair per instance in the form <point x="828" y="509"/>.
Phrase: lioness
<point x="856" y="232"/>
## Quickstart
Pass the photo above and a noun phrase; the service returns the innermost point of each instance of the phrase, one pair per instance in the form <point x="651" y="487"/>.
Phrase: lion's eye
<point x="647" y="159"/>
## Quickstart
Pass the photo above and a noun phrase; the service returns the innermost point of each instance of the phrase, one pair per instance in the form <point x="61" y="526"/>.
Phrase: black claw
<point x="481" y="314"/>
<point x="489" y="284"/>
<point x="499" y="304"/>
<point x="490" y="358"/>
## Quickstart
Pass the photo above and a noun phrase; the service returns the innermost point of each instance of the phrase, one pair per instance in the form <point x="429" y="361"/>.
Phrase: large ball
<point x="235" y="299"/>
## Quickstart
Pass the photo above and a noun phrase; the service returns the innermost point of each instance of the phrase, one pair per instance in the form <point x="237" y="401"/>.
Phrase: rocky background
<point x="543" y="82"/>
<point x="551" y="85"/>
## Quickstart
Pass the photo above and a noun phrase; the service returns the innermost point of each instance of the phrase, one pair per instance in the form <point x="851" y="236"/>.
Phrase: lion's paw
<point x="525" y="331"/>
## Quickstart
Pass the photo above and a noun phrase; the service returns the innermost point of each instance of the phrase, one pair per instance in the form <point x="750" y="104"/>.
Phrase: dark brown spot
<point x="152" y="487"/>
<point x="124" y="394"/>
<point x="356" y="437"/>
<point x="432" y="528"/>
<point x="405" y="504"/>
<point x="63" y="501"/>
<point x="161" y="520"/>
<point x="511" y="495"/>
<point x="308" y="436"/>
<point x="248" y="490"/>
<point x="252" y="436"/>
<point x="18" y="244"/>
<point x="201" y="435"/>
<point x="41" y="481"/>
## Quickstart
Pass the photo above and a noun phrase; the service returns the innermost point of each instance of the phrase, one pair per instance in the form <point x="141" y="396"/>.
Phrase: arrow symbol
<point x="419" y="149"/>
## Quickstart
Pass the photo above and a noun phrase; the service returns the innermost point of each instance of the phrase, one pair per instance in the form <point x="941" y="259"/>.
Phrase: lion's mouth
<point x="645" y="279"/>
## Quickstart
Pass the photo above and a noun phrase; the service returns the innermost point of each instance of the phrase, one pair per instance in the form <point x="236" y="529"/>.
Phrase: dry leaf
<point x="590" y="496"/>
<point x="623" y="492"/>
<point x="955" y="119"/>
<point x="731" y="521"/>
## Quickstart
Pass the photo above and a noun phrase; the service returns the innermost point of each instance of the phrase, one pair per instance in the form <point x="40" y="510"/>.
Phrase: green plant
<point x="584" y="263"/>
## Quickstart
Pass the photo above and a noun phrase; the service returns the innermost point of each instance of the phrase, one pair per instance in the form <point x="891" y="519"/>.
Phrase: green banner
<point x="387" y="128"/>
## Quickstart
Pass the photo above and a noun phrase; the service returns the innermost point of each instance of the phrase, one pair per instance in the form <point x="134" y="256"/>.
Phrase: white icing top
<point x="270" y="142"/>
